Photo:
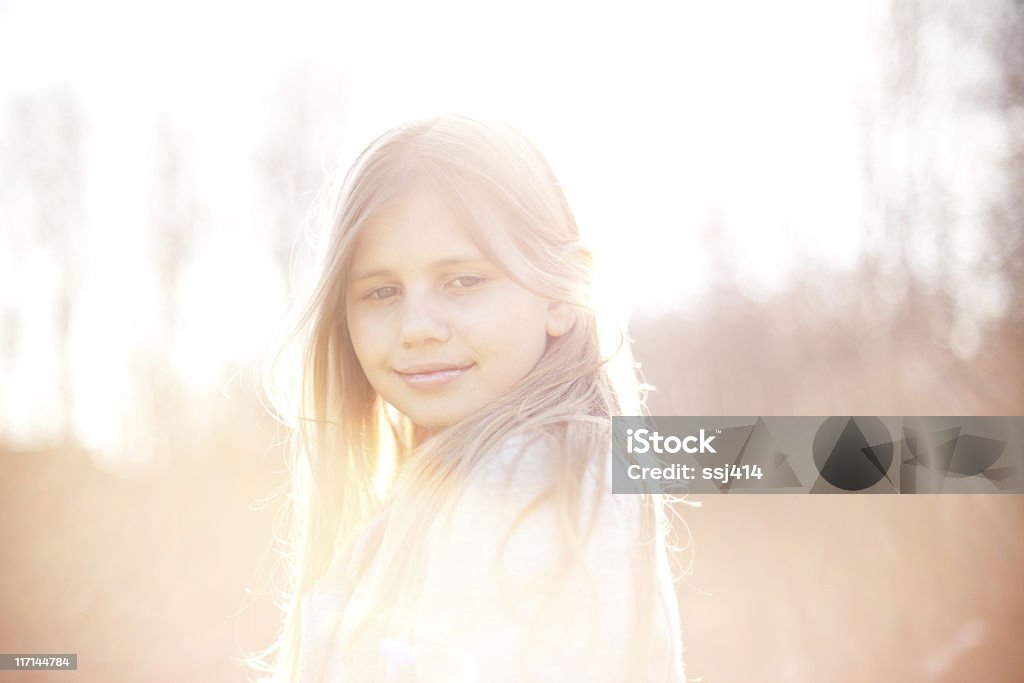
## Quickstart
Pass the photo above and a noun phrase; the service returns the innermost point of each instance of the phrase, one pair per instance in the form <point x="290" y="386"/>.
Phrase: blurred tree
<point x="944" y="163"/>
<point x="298" y="151"/>
<point x="176" y="214"/>
<point x="45" y="161"/>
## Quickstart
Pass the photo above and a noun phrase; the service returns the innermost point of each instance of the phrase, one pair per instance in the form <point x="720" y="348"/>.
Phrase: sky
<point x="651" y="118"/>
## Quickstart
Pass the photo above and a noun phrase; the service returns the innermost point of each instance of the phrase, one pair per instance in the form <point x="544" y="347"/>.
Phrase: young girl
<point x="452" y="512"/>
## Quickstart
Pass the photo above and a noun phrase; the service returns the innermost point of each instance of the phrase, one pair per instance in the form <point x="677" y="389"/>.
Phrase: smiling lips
<point x="432" y="375"/>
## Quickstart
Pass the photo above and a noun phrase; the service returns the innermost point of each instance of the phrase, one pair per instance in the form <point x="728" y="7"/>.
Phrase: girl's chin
<point x="434" y="422"/>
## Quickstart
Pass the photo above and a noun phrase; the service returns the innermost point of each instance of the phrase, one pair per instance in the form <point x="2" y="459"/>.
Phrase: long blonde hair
<point x="345" y="435"/>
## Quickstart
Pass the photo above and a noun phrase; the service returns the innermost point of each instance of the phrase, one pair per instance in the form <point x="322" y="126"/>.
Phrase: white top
<point x="471" y="626"/>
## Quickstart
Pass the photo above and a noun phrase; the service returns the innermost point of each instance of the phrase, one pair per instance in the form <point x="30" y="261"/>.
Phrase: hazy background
<point x="805" y="208"/>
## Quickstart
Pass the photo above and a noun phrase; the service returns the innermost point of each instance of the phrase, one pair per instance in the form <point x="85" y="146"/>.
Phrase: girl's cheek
<point x="482" y="316"/>
<point x="361" y="333"/>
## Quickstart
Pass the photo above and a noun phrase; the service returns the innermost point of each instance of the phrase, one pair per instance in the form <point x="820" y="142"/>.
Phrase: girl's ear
<point x="561" y="318"/>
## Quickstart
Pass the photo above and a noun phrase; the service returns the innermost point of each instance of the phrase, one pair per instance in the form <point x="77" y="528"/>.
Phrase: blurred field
<point x="843" y="588"/>
<point x="144" y="577"/>
<point x="856" y="588"/>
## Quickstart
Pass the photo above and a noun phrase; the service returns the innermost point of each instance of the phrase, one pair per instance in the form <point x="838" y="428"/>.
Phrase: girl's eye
<point x="467" y="281"/>
<point x="382" y="293"/>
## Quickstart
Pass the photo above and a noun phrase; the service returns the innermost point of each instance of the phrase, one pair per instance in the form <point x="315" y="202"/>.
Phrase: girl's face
<point x="438" y="329"/>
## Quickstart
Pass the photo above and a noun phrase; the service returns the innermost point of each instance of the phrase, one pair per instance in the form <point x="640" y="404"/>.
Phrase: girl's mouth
<point x="432" y="377"/>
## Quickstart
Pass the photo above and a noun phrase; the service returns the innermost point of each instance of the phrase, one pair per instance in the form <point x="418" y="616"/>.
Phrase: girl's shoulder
<point x="536" y="456"/>
<point x="521" y="459"/>
<point x="525" y="472"/>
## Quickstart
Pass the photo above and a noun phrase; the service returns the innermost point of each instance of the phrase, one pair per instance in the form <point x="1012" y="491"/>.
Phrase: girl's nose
<point x="422" y="322"/>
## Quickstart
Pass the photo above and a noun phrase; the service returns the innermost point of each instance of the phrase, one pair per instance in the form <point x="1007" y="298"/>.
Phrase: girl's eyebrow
<point x="440" y="263"/>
